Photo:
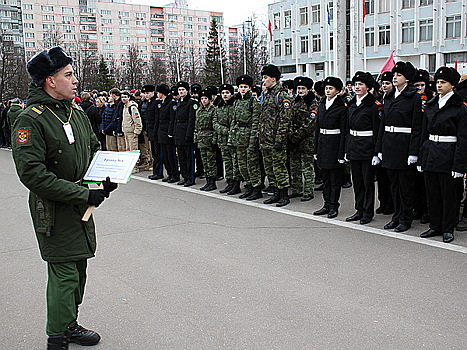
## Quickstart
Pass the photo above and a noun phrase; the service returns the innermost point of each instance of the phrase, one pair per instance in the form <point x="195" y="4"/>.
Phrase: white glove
<point x="380" y="156"/>
<point x="412" y="160"/>
<point x="345" y="157"/>
<point x="419" y="169"/>
<point x="375" y="160"/>
<point x="457" y="175"/>
<point x="315" y="156"/>
<point x="341" y="161"/>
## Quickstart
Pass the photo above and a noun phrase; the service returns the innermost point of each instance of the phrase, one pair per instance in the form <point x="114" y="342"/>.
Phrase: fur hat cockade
<point x="244" y="79"/>
<point x="271" y="71"/>
<point x="406" y="69"/>
<point x="364" y="77"/>
<point x="333" y="81"/>
<point x="163" y="89"/>
<point x="387" y="76"/>
<point x="449" y="74"/>
<point x="183" y="84"/>
<point x="47" y="63"/>
<point x="227" y="87"/>
<point x="303" y="81"/>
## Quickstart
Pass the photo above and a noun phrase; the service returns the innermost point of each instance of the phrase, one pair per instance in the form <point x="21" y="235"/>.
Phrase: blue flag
<point x="329" y="14"/>
<point x="244" y="34"/>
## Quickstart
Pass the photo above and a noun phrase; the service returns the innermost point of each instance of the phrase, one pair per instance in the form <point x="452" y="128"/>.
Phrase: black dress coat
<point x="151" y="119"/>
<point x="183" y="126"/>
<point x="165" y="113"/>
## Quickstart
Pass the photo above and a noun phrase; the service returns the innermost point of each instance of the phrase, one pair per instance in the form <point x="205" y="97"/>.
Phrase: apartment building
<point x="320" y="37"/>
<point x="11" y="27"/>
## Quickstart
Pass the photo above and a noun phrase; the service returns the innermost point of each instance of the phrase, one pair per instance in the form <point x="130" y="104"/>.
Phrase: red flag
<point x="364" y="10"/>
<point x="270" y="30"/>
<point x="389" y="64"/>
<point x="455" y="64"/>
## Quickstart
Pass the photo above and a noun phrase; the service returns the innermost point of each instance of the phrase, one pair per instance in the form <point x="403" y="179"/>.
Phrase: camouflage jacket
<point x="223" y="121"/>
<point x="204" y="134"/>
<point x="303" y="122"/>
<point x="275" y="117"/>
<point x="246" y="118"/>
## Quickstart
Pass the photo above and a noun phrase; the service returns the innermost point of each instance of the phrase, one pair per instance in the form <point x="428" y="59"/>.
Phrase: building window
<point x="106" y="12"/>
<point x="426" y="2"/>
<point x="315" y="14"/>
<point x="30" y="44"/>
<point x="277" y="48"/>
<point x="188" y="26"/>
<point x="69" y="36"/>
<point x="107" y="38"/>
<point x="408" y="31"/>
<point x="69" y="29"/>
<point x="426" y="29"/>
<point x="304" y="16"/>
<point x="27" y="6"/>
<point x="331" y="10"/>
<point x="304" y="44"/>
<point x="48" y="17"/>
<point x="202" y="19"/>
<point x="141" y="31"/>
<point x="453" y="26"/>
<point x="28" y="16"/>
<point x="188" y="19"/>
<point x="370" y="6"/>
<point x="46" y="26"/>
<point x="124" y="30"/>
<point x="202" y="28"/>
<point x="68" y="9"/>
<point x="68" y="19"/>
<point x="287" y="18"/>
<point x="288" y="46"/>
<point x="331" y="41"/>
<point x="47" y="8"/>
<point x="28" y="25"/>
<point x="172" y="17"/>
<point x="140" y="15"/>
<point x="190" y="34"/>
<point x="384" y="35"/>
<point x="277" y="20"/>
<point x="29" y="35"/>
<point x="451" y="58"/>
<point x="141" y="39"/>
<point x="408" y="4"/>
<point x="316" y="42"/>
<point x="124" y="38"/>
<point x="370" y="36"/>
<point x="383" y="6"/>
<point x="173" y="33"/>
<point x="124" y="13"/>
<point x="124" y="22"/>
<point x="106" y="20"/>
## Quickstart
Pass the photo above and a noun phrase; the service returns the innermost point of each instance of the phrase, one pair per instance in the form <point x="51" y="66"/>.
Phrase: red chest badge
<point x="23" y="137"/>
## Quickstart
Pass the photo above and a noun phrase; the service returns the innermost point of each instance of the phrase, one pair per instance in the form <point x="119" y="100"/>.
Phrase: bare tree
<point x="85" y="59"/>
<point x="157" y="71"/>
<point x="52" y="37"/>
<point x="13" y="77"/>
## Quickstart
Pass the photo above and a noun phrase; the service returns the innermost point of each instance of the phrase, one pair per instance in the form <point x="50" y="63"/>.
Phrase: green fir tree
<point x="215" y="62"/>
<point x="105" y="82"/>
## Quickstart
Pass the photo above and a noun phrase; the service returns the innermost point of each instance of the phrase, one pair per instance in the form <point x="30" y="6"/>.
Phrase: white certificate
<point x="116" y="165"/>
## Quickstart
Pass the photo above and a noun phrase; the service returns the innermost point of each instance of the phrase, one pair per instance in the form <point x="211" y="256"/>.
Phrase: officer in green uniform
<point x="273" y="130"/>
<point x="53" y="144"/>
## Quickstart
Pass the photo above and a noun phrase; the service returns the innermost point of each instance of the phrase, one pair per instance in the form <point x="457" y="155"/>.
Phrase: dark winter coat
<point x="152" y="119"/>
<point x="93" y="114"/>
<point x="183" y="126"/>
<point x="165" y="114"/>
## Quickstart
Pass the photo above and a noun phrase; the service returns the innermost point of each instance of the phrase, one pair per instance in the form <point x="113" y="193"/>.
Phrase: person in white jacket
<point x="131" y="122"/>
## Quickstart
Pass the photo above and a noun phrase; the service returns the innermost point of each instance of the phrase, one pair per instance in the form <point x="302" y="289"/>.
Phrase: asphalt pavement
<point x="177" y="268"/>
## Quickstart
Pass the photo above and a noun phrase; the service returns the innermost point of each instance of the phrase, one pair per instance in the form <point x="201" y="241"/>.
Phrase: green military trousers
<point x="301" y="166"/>
<point x="208" y="157"/>
<point x="65" y="290"/>
<point x="249" y="165"/>
<point x="229" y="156"/>
<point x="275" y="165"/>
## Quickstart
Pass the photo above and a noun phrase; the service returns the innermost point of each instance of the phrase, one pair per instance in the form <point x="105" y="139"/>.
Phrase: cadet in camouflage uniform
<point x="205" y="136"/>
<point x="222" y="123"/>
<point x="245" y="135"/>
<point x="273" y="130"/>
<point x="301" y="137"/>
<point x="53" y="146"/>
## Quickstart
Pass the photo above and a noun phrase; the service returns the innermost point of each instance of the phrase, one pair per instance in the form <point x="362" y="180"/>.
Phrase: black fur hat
<point x="148" y="88"/>
<point x="449" y="74"/>
<point x="319" y="87"/>
<point x="227" y="87"/>
<point x="257" y="90"/>
<point x="183" y="84"/>
<point x="163" y="89"/>
<point x="47" y="63"/>
<point x="387" y="76"/>
<point x="303" y="81"/>
<point x="461" y="89"/>
<point x="406" y="69"/>
<point x="288" y="84"/>
<point x="205" y="93"/>
<point x="271" y="71"/>
<point x="421" y="75"/>
<point x="364" y="77"/>
<point x="244" y="79"/>
<point x="212" y="89"/>
<point x="174" y="90"/>
<point x="333" y="81"/>
<point x="196" y="88"/>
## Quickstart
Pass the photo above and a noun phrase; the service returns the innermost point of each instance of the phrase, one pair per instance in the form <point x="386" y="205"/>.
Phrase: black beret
<point x="449" y="74"/>
<point x="195" y="88"/>
<point x="406" y="69"/>
<point x="174" y="90"/>
<point x="206" y="93"/>
<point x="319" y="87"/>
<point x="148" y="88"/>
<point x="387" y="76"/>
<point x="333" y="81"/>
<point x="47" y="63"/>
<point x="244" y="79"/>
<point x="227" y="87"/>
<point x="271" y="71"/>
<point x="303" y="81"/>
<point x="163" y="89"/>
<point x="288" y="84"/>
<point x="183" y="84"/>
<point x="421" y="75"/>
<point x="364" y="77"/>
<point x="212" y="89"/>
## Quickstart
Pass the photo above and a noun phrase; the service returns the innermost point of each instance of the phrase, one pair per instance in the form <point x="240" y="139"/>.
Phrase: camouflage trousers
<point x="208" y="157"/>
<point x="229" y="157"/>
<point x="301" y="168"/>
<point x="249" y="166"/>
<point x="275" y="165"/>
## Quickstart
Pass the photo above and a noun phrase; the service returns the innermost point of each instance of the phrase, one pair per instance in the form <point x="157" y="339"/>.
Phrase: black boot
<point x="229" y="186"/>
<point x="57" y="342"/>
<point x="235" y="188"/>
<point x="274" y="198"/>
<point x="211" y="186"/>
<point x="206" y="185"/>
<point x="284" y="200"/>
<point x="256" y="194"/>
<point x="248" y="192"/>
<point x="82" y="336"/>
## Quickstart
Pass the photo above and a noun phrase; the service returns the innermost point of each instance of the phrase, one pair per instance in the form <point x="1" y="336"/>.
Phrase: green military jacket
<point x="223" y="121"/>
<point x="275" y="117"/>
<point x="205" y="135"/>
<point x="303" y="122"/>
<point x="246" y="119"/>
<point x="13" y="113"/>
<point x="52" y="169"/>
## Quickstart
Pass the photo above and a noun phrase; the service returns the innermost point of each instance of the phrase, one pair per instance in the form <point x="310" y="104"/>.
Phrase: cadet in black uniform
<point x="443" y="156"/>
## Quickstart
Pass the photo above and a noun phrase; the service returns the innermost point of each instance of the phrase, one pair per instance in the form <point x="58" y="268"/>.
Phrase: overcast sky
<point x="235" y="11"/>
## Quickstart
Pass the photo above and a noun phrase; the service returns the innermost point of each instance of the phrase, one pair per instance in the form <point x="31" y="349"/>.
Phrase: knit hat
<point x="227" y="87"/>
<point x="406" y="69"/>
<point x="333" y="81"/>
<point x="163" y="89"/>
<point x="449" y="74"/>
<point x="244" y="79"/>
<point x="148" y="88"/>
<point x="364" y="77"/>
<point x="47" y="63"/>
<point x="303" y="81"/>
<point x="271" y="71"/>
<point x="387" y="76"/>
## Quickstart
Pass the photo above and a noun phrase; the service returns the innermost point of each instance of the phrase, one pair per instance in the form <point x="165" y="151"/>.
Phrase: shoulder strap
<point x="36" y="111"/>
